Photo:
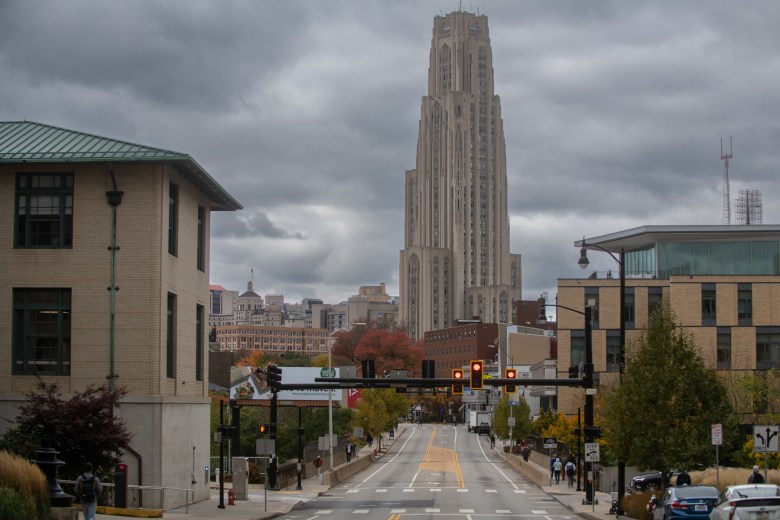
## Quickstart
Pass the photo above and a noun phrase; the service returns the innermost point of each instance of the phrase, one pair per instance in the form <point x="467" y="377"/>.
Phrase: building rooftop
<point x="29" y="142"/>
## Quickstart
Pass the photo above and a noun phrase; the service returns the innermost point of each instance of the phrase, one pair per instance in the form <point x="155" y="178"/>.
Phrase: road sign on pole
<point x="550" y="443"/>
<point x="592" y="452"/>
<point x="717" y="434"/>
<point x="765" y="438"/>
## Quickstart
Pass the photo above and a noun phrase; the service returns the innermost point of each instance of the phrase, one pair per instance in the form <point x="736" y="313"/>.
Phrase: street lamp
<point x="587" y="383"/>
<point x="497" y="345"/>
<point x="583" y="263"/>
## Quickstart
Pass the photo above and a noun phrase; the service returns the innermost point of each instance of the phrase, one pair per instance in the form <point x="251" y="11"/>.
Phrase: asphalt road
<point x="435" y="472"/>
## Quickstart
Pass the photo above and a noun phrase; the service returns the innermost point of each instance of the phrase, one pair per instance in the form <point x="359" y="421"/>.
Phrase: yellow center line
<point x="442" y="460"/>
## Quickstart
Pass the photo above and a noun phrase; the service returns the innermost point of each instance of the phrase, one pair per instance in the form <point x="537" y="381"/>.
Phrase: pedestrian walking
<point x="349" y="451"/>
<point x="88" y="488"/>
<point x="526" y="453"/>
<point x="571" y="468"/>
<point x="492" y="441"/>
<point x="683" y="479"/>
<point x="557" y="466"/>
<point x="370" y="440"/>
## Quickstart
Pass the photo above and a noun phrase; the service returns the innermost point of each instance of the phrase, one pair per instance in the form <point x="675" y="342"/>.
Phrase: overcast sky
<point x="307" y="113"/>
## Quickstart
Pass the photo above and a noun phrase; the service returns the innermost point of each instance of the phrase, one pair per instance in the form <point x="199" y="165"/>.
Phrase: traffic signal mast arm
<point x="352" y="382"/>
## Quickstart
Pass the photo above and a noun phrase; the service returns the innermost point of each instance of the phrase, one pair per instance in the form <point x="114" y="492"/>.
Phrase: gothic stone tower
<point x="456" y="262"/>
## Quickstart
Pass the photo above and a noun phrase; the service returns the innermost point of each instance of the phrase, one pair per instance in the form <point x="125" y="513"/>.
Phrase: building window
<point x="724" y="349"/>
<point x="767" y="348"/>
<point x="708" y="314"/>
<point x="44" y="210"/>
<point x="41" y="337"/>
<point x="745" y="304"/>
<point x="654" y="297"/>
<point x="199" y="314"/>
<point x="592" y="301"/>
<point x="630" y="307"/>
<point x="577" y="347"/>
<point x="173" y="219"/>
<point x="201" y="252"/>
<point x="170" y="337"/>
<point x="613" y="351"/>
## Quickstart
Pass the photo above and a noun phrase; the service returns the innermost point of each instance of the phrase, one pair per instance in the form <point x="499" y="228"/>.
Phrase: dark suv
<point x="483" y="429"/>
<point x="645" y="482"/>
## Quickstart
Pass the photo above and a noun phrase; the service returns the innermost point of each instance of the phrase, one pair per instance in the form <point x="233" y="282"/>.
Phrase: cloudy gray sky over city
<point x="307" y="113"/>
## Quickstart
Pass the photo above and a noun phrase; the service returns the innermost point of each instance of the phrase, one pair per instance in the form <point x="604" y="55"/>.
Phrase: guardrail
<point x="134" y="494"/>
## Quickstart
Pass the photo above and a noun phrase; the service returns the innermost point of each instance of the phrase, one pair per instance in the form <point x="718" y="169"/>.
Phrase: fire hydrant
<point x="231" y="498"/>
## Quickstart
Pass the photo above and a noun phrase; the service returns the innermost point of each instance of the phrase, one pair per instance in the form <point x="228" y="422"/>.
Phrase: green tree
<point x="661" y="414"/>
<point x="82" y="428"/>
<point x="522" y="415"/>
<point x="562" y="429"/>
<point x="380" y="409"/>
<point x="545" y="419"/>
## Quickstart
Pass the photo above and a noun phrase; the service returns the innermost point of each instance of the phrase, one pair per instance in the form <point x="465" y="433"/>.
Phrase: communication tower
<point x="749" y="207"/>
<point x="726" y="193"/>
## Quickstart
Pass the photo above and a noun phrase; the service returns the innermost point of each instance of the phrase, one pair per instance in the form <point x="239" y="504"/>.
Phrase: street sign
<point x="550" y="443"/>
<point x="324" y="442"/>
<point x="324" y="372"/>
<point x="514" y="403"/>
<point x="265" y="446"/>
<point x="592" y="453"/>
<point x="510" y="421"/>
<point x="765" y="438"/>
<point x="717" y="434"/>
<point x="357" y="431"/>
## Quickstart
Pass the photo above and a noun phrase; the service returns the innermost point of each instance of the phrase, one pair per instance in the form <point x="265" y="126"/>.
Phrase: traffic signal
<point x="367" y="366"/>
<point x="457" y="373"/>
<point x="264" y="428"/>
<point x="574" y="372"/>
<point x="510" y="373"/>
<point x="476" y="373"/>
<point x="274" y="376"/>
<point x="429" y="369"/>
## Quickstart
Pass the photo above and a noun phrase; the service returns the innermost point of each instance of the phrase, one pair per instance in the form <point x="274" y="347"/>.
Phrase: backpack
<point x="88" y="489"/>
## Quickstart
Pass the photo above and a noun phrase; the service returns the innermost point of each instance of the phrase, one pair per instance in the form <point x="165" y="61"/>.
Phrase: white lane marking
<point x="494" y="464"/>
<point x="520" y="491"/>
<point x="408" y="490"/>
<point x="435" y="490"/>
<point x="401" y="449"/>
<point x="324" y="512"/>
<point x="397" y="511"/>
<point x="360" y="511"/>
<point x="538" y="512"/>
<point x="353" y="491"/>
<point x="503" y="511"/>
<point x="462" y="490"/>
<point x="491" y="491"/>
<point x="466" y="510"/>
<point x="432" y="510"/>
<point x="381" y="490"/>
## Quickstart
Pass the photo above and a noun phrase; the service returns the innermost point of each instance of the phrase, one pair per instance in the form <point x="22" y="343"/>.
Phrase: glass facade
<point x="716" y="258"/>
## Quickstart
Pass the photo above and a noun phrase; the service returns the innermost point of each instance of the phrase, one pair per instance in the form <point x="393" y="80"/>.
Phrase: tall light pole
<point x="587" y="383"/>
<point x="583" y="263"/>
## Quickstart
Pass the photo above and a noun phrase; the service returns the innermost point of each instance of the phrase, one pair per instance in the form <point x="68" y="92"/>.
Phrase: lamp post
<point x="587" y="383"/>
<point x="346" y="327"/>
<point x="497" y="345"/>
<point x="583" y="263"/>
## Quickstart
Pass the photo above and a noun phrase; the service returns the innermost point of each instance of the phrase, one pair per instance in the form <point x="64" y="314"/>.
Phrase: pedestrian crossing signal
<point x="264" y="428"/>
<point x="457" y="373"/>
<point x="476" y="373"/>
<point x="510" y="373"/>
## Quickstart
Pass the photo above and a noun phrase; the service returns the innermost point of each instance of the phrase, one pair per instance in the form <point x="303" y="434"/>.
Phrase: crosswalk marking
<point x="466" y="510"/>
<point x="491" y="491"/>
<point x="503" y="511"/>
<point x="538" y="512"/>
<point x="324" y="512"/>
<point x="397" y="511"/>
<point x="462" y="490"/>
<point x="520" y="491"/>
<point x="432" y="510"/>
<point x="381" y="490"/>
<point x="360" y="511"/>
<point x="353" y="491"/>
<point x="408" y="490"/>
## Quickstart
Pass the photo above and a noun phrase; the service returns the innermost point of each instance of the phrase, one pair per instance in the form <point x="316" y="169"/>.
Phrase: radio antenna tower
<point x="726" y="192"/>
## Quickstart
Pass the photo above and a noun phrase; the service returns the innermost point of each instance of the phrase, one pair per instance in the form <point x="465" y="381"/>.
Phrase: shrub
<point x="14" y="506"/>
<point x="635" y="505"/>
<point x="27" y="480"/>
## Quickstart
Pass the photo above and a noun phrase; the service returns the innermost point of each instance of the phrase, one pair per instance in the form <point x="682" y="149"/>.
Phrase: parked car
<point x="748" y="502"/>
<point x="686" y="502"/>
<point x="645" y="482"/>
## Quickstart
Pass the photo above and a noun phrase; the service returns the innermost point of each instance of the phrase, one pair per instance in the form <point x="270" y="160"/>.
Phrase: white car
<point x="748" y="502"/>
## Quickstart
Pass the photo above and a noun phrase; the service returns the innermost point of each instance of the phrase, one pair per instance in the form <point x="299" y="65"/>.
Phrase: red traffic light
<point x="457" y="373"/>
<point x="510" y="373"/>
<point x="476" y="374"/>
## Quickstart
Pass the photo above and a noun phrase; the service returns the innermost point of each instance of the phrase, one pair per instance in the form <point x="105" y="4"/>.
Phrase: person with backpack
<point x="570" y="469"/>
<point x="88" y="488"/>
<point x="756" y="477"/>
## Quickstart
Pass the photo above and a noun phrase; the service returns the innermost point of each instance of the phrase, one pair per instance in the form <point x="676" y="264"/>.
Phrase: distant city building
<point x="456" y="261"/>
<point x="276" y="340"/>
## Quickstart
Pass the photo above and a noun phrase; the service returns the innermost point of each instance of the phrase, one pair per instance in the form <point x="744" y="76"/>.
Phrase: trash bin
<point x="120" y="485"/>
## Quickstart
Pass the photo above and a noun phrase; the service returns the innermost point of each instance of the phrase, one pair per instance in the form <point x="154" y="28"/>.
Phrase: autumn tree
<point x="661" y="414"/>
<point x="390" y="349"/>
<point x="82" y="428"/>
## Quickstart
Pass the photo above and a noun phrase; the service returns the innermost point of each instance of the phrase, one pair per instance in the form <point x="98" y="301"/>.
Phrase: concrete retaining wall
<point x="346" y="470"/>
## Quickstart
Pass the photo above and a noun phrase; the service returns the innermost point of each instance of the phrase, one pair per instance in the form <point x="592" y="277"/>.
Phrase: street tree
<point x="521" y="414"/>
<point x="83" y="428"/>
<point x="380" y="409"/>
<point x="561" y="428"/>
<point x="661" y="414"/>
<point x="390" y="349"/>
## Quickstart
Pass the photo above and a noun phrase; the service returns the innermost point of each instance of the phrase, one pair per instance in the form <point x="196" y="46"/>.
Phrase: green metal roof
<point x="30" y="142"/>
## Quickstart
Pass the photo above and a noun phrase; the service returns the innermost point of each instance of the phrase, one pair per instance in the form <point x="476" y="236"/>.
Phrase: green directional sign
<point x="325" y="371"/>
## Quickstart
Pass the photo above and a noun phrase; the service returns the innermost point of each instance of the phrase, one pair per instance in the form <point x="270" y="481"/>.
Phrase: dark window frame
<point x="39" y="318"/>
<point x="29" y="231"/>
<point x="200" y="313"/>
<point x="170" y="337"/>
<point x="745" y="305"/>
<point x="201" y="252"/>
<point x="723" y="349"/>
<point x="173" y="219"/>
<point x="709" y="301"/>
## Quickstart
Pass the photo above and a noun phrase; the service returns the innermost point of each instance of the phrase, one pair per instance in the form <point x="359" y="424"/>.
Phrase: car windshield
<point x="696" y="492"/>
